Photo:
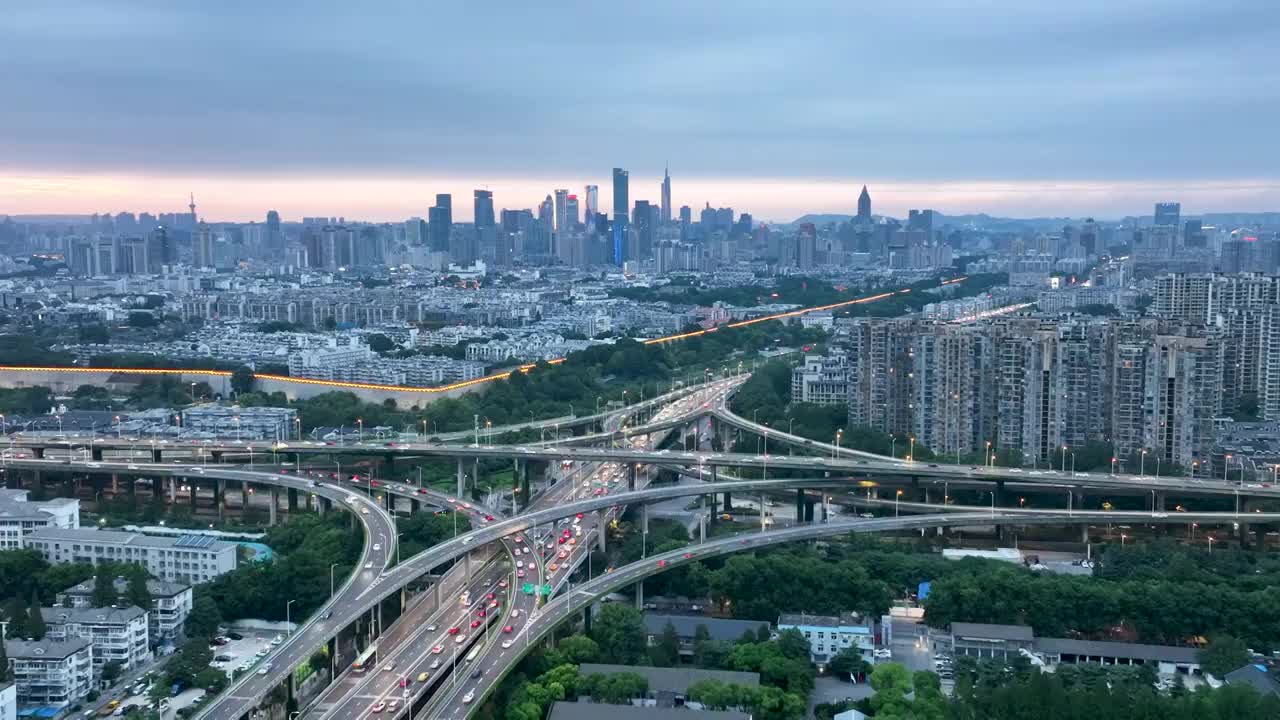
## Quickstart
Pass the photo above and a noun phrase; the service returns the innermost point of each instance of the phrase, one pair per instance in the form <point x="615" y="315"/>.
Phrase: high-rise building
<point x="274" y="239"/>
<point x="686" y="222"/>
<point x="644" y="217"/>
<point x="806" y="246"/>
<point x="864" y="205"/>
<point x="483" y="209"/>
<point x="159" y="250"/>
<point x="621" y="195"/>
<point x="666" y="196"/>
<point x="1167" y="213"/>
<point x="571" y="212"/>
<point x="440" y="222"/>
<point x="592" y="194"/>
<point x="202" y="247"/>
<point x="562" y="197"/>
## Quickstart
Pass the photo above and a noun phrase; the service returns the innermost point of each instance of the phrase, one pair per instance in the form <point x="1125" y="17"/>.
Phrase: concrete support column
<point x="631" y="477"/>
<point x="325" y="505"/>
<point x="1084" y="533"/>
<point x="763" y="520"/>
<point x="194" y="493"/>
<point x="586" y="619"/>
<point x="702" y="528"/>
<point x="1159" y="502"/>
<point x="715" y="474"/>
<point x="728" y="502"/>
<point x="640" y="595"/>
<point x="461" y="475"/>
<point x="799" y="505"/>
<point x="414" y="505"/>
<point x="157" y="456"/>
<point x="173" y="490"/>
<point x="310" y="502"/>
<point x="466" y="560"/>
<point x="475" y="477"/>
<point x="219" y="497"/>
<point x="293" y="500"/>
<point x="115" y="482"/>
<point x="600" y="532"/>
<point x="274" y="501"/>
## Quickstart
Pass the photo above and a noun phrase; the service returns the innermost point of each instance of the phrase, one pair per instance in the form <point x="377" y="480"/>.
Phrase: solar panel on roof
<point x="194" y="541"/>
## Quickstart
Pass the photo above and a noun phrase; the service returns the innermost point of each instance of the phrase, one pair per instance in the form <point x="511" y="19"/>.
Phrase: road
<point x="569" y="603"/>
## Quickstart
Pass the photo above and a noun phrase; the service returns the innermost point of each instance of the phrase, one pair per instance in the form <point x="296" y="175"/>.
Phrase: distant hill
<point x="820" y="220"/>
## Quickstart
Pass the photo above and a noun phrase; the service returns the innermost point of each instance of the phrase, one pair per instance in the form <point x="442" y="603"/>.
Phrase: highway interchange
<point x="426" y="625"/>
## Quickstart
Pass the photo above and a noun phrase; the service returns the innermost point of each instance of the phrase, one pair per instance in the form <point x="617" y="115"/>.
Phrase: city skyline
<point x="993" y="107"/>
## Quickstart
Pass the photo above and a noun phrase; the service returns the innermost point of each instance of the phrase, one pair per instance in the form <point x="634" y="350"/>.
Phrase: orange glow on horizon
<point x="458" y="385"/>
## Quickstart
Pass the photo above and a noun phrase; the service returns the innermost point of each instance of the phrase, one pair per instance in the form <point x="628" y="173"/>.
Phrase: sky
<point x="1015" y="108"/>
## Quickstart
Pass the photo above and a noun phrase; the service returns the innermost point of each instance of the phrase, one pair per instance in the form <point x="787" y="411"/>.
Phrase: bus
<point x="366" y="660"/>
<point x="475" y="652"/>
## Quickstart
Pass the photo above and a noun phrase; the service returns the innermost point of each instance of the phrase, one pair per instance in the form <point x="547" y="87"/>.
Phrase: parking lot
<point x="243" y="653"/>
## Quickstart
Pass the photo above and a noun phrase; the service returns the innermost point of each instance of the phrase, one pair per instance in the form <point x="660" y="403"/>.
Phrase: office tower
<point x="643" y="218"/>
<point x="483" y="209"/>
<point x="202" y="247"/>
<point x="546" y="213"/>
<point x="921" y="220"/>
<point x="621" y="197"/>
<point x="864" y="205"/>
<point x="1167" y="213"/>
<point x="273" y="239"/>
<point x="571" y="212"/>
<point x="666" y="196"/>
<point x="686" y="222"/>
<point x="1193" y="235"/>
<point x="562" y="197"/>
<point x="440" y="222"/>
<point x="593" y="201"/>
<point x="415" y="231"/>
<point x="806" y="246"/>
<point x="159" y="250"/>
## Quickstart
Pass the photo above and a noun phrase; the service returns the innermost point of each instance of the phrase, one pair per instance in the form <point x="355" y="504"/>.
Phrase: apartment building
<point x="118" y="634"/>
<point x="19" y="517"/>
<point x="50" y="673"/>
<point x="186" y="558"/>
<point x="821" y="379"/>
<point x="248" y="423"/>
<point x="170" y="606"/>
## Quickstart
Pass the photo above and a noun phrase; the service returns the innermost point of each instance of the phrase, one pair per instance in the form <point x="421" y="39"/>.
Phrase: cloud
<point x="913" y="92"/>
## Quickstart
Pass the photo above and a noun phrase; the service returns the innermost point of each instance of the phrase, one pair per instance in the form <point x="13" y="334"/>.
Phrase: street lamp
<point x="1226" y="463"/>
<point x="1123" y="537"/>
<point x="896" y="497"/>
<point x="1142" y="463"/>
<point x="331" y="567"/>
<point x="360" y="430"/>
<point x="288" y="618"/>
<point x="911" y="454"/>
<point x="1113" y="466"/>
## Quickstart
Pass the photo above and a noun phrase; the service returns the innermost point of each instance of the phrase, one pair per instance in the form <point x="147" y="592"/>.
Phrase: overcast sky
<point x="1017" y="107"/>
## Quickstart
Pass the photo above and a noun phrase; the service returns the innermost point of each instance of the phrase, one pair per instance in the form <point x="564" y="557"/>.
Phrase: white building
<point x="186" y="558"/>
<point x="170" y="606"/>
<point x="8" y="701"/>
<point x="118" y="634"/>
<point x="828" y="635"/>
<point x="822" y="380"/>
<point x="20" y="516"/>
<point x="51" y="674"/>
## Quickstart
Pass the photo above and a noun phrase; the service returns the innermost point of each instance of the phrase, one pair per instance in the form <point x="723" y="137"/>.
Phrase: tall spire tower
<point x="193" y="209"/>
<point x="666" y="195"/>
<point x="864" y="205"/>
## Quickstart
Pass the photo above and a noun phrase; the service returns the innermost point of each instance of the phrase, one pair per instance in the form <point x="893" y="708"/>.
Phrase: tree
<point x="667" y="650"/>
<point x="4" y="663"/>
<point x="793" y="644"/>
<point x="36" y="627"/>
<point x="137" y="593"/>
<point x="850" y="663"/>
<point x="1223" y="654"/>
<point x="16" y="615"/>
<point x="104" y="589"/>
<point x="380" y="343"/>
<point x="619" y="631"/>
<point x="205" y="616"/>
<point x="142" y="319"/>
<point x="242" y="380"/>
<point x="111" y="670"/>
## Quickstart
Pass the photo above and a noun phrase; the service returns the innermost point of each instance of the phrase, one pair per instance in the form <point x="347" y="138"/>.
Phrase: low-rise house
<point x="667" y="686"/>
<point x="188" y="558"/>
<point x="686" y="627"/>
<point x="118" y="634"/>
<point x="829" y="634"/>
<point x="170" y="606"/>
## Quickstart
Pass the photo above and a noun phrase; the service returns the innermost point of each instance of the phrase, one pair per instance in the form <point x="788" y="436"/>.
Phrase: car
<point x="519" y="563"/>
<point x="435" y="663"/>
<point x="506" y="644"/>
<point x="519" y="573"/>
<point x="493" y="604"/>
<point x="377" y="547"/>
<point x="454" y="630"/>
<point x="508" y="629"/>
<point x="393" y="704"/>
<point x="481" y="612"/>
<point x="471" y="695"/>
<point x="368" y="565"/>
<point x="389" y="666"/>
<point x="553" y="567"/>
<point x="460" y="639"/>
<point x="277" y="640"/>
<point x="264" y="669"/>
<point x="364" y="511"/>
<point x="436" y="651"/>
<point x="377" y="707"/>
<point x="422" y="677"/>
<point x="476" y="623"/>
<point x="477" y="673"/>
<point x="562" y="554"/>
<point x="453" y="500"/>
<point x="515" y="613"/>
<point x="234" y="636"/>
<point x="502" y="583"/>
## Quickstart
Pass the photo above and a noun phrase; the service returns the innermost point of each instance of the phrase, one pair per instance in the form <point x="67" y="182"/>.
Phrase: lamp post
<point x="988" y="457"/>
<point x="1226" y="464"/>
<point x="896" y="497"/>
<point x="1064" y="459"/>
<point x="331" y="567"/>
<point x="1142" y="463"/>
<point x="893" y="443"/>
<point x="360" y="430"/>
<point x="1113" y="466"/>
<point x="288" y="617"/>
<point x="911" y="454"/>
<point x="118" y="426"/>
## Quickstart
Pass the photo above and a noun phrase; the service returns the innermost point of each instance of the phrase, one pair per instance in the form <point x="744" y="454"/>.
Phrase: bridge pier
<point x="157" y="455"/>
<point x="37" y="453"/>
<point x="461" y="476"/>
<point x="97" y="454"/>
<point x="728" y="503"/>
<point x="244" y="495"/>
<point x="194" y="492"/>
<point x="173" y="490"/>
<point x="764" y="525"/>
<point x="274" y="500"/>
<point x="219" y="497"/>
<point x="414" y="505"/>
<point x="799" y="505"/>
<point x="600" y="533"/>
<point x="640" y="596"/>
<point x="702" y="528"/>
<point x="586" y="619"/>
<point x="631" y="477"/>
<point x="115" y="483"/>
<point x="293" y="500"/>
<point x="325" y="505"/>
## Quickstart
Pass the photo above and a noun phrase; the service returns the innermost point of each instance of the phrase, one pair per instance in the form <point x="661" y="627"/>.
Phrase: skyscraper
<point x="666" y="196"/>
<point x="440" y="222"/>
<point x="686" y="221"/>
<point x="593" y="201"/>
<point x="1168" y="213"/>
<point x="620" y="202"/>
<point x="562" y="197"/>
<point x="483" y="209"/>
<point x="864" y="205"/>
<point x="643" y="217"/>
<point x="571" y="212"/>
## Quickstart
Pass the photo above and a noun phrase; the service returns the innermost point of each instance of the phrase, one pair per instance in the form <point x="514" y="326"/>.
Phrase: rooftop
<point x="993" y="632"/>
<point x="595" y="711"/>
<point x="94" y="535"/>
<point x="673" y="680"/>
<point x="687" y="626"/>
<point x="114" y="615"/>
<point x="44" y="649"/>
<point x="1136" y="651"/>
<point x="831" y="621"/>
<point x="157" y="588"/>
<point x="1257" y="676"/>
